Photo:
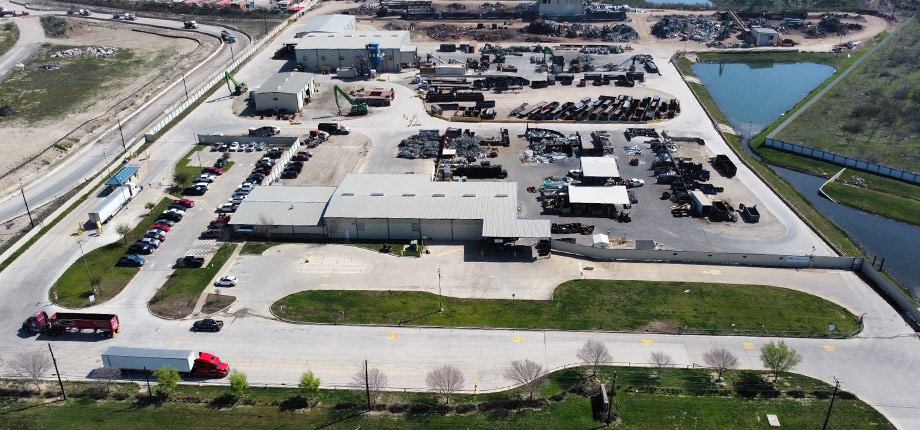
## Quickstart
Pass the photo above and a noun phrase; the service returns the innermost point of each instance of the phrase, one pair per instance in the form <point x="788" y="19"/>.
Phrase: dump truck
<point x="72" y="322"/>
<point x="110" y="205"/>
<point x="333" y="128"/>
<point x="187" y="362"/>
<point x="266" y="131"/>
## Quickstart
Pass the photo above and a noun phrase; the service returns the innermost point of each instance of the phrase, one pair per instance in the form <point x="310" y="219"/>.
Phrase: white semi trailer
<point x="110" y="205"/>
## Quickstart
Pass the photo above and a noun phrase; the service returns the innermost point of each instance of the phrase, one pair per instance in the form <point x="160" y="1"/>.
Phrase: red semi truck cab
<point x="71" y="322"/>
<point x="209" y="365"/>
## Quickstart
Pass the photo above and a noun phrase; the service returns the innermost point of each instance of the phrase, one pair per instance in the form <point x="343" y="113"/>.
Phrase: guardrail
<point x="840" y="160"/>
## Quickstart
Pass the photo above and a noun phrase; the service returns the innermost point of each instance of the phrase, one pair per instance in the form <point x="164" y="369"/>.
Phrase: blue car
<point x="132" y="260"/>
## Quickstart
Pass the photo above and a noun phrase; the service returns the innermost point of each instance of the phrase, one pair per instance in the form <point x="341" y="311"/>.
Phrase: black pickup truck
<point x="208" y="324"/>
<point x="190" y="261"/>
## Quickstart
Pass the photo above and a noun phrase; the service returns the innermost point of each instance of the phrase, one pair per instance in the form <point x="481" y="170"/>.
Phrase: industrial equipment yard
<point x="357" y="157"/>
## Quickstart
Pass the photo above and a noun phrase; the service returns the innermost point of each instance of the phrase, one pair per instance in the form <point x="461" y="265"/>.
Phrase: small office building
<point x="764" y="36"/>
<point x="285" y="92"/>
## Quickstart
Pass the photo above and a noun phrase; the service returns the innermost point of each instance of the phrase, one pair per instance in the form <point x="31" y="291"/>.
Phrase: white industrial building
<point x="597" y="200"/>
<point x="390" y="206"/>
<point x="285" y="92"/>
<point x="551" y="8"/>
<point x="328" y="24"/>
<point x="764" y="36"/>
<point x="597" y="170"/>
<point x="326" y="52"/>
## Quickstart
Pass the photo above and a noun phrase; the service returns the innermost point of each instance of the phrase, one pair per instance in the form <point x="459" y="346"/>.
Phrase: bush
<point x="796" y="394"/>
<point x="821" y="394"/>
<point x="54" y="26"/>
<point x="846" y="395"/>
<point x="223" y="401"/>
<point x="465" y="408"/>
<point x="853" y="126"/>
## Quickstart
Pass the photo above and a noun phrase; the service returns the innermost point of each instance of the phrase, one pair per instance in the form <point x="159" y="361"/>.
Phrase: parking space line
<point x="492" y="276"/>
<point x="748" y="345"/>
<point x="647" y="342"/>
<point x="393" y="336"/>
<point x="830" y="348"/>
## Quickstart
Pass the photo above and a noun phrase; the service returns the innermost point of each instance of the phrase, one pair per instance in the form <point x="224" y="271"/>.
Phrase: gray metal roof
<point x="599" y="167"/>
<point x="283" y="206"/>
<point x="328" y="24"/>
<point x="123" y="351"/>
<point x="603" y="195"/>
<point x="513" y="227"/>
<point x="290" y="83"/>
<point x="354" y="40"/>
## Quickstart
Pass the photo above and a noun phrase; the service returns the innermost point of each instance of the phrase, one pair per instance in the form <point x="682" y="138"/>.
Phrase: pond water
<point x="753" y="95"/>
<point x="703" y="2"/>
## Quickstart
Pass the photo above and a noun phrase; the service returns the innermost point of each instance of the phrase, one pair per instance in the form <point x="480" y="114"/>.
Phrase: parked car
<point x="206" y="178"/>
<point x="150" y="241"/>
<point x="235" y="146"/>
<point x="289" y="174"/>
<point x="226" y="281"/>
<point x="190" y="261"/>
<point x="246" y="190"/>
<point x="165" y="222"/>
<point x="212" y="233"/>
<point x="248" y="184"/>
<point x="226" y="208"/>
<point x="194" y="191"/>
<point x="212" y="171"/>
<point x="208" y="324"/>
<point x="634" y="183"/>
<point x="220" y="163"/>
<point x="184" y="202"/>
<point x="251" y="147"/>
<point x="261" y="146"/>
<point x="162" y="227"/>
<point x="172" y="216"/>
<point x="295" y="167"/>
<point x="176" y="208"/>
<point x="240" y="196"/>
<point x="155" y="234"/>
<point x="140" y="248"/>
<point x="132" y="260"/>
<point x="219" y="147"/>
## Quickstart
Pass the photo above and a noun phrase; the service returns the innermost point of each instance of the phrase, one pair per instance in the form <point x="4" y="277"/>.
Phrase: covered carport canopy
<point x="616" y="195"/>
<point x="123" y="176"/>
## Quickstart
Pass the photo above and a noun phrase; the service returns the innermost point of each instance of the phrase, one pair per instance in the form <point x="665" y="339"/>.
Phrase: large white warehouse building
<point x="325" y="52"/>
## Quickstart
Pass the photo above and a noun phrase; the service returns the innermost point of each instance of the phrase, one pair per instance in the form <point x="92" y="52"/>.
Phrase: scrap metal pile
<point x="695" y="28"/>
<point x="467" y="146"/>
<point x="550" y="146"/>
<point x="830" y="25"/>
<point x="605" y="108"/>
<point x="426" y="144"/>
<point x="607" y="33"/>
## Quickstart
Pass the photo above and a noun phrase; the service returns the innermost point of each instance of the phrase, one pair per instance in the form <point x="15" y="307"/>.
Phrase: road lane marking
<point x="492" y="276"/>
<point x="517" y="339"/>
<point x="830" y="348"/>
<point x="327" y="276"/>
<point x="393" y="336"/>
<point x="647" y="342"/>
<point x="748" y="345"/>
<point x="713" y="272"/>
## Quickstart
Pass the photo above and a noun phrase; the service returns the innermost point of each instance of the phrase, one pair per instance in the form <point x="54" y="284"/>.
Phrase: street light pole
<point x="831" y="406"/>
<point x="91" y="283"/>
<point x="21" y="190"/>
<point x="186" y="87"/>
<point x="440" y="302"/>
<point x="120" y="131"/>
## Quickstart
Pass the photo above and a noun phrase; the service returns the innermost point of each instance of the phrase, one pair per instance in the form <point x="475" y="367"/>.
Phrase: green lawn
<point x="828" y="58"/>
<point x="684" y="399"/>
<point x="257" y="248"/>
<point x="43" y="95"/>
<point x="902" y="209"/>
<point x="9" y="34"/>
<point x="586" y="305"/>
<point x="871" y="114"/>
<point x="177" y="297"/>
<point x="74" y="287"/>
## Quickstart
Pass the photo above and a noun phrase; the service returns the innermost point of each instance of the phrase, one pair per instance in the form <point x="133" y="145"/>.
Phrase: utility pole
<point x="186" y="87"/>
<point x="56" y="371"/>
<point x="21" y="190"/>
<point x="91" y="283"/>
<point x="367" y="386"/>
<point x="147" y="378"/>
<point x="831" y="406"/>
<point x="440" y="302"/>
<point x="122" y="135"/>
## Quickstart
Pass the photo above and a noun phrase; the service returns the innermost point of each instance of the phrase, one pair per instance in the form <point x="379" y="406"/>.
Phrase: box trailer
<point x="702" y="204"/>
<point x="117" y="199"/>
<point x="72" y="322"/>
<point x="187" y="362"/>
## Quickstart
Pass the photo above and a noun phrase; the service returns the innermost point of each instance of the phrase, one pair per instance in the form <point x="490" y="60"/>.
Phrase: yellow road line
<point x="748" y="345"/>
<point x="647" y="342"/>
<point x="517" y="339"/>
<point x="393" y="336"/>
<point x="830" y="348"/>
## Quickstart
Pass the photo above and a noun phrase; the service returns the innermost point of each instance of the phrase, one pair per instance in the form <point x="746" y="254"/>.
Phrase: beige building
<point x="285" y="92"/>
<point x="326" y="52"/>
<point x="764" y="36"/>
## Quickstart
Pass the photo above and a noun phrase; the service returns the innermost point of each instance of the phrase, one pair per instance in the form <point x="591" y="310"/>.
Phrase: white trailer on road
<point x="149" y="359"/>
<point x="119" y="197"/>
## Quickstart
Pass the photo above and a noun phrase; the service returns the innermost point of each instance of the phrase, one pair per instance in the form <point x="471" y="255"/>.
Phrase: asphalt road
<point x="91" y="158"/>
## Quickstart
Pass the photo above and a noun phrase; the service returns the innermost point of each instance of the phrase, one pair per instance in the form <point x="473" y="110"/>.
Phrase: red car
<point x="163" y="227"/>
<point x="184" y="202"/>
<point x="213" y="171"/>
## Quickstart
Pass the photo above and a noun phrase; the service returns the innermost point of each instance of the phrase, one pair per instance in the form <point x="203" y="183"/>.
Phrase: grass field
<point x="177" y="297"/>
<point x="257" y="248"/>
<point x="43" y="95"/>
<point x="74" y="287"/>
<point x="585" y="305"/>
<point x="685" y="399"/>
<point x="831" y="59"/>
<point x="9" y="34"/>
<point x="871" y="115"/>
<point x="902" y="209"/>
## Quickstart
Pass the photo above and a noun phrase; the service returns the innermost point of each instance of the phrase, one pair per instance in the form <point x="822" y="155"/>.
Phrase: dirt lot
<point x="155" y="60"/>
<point x="332" y="160"/>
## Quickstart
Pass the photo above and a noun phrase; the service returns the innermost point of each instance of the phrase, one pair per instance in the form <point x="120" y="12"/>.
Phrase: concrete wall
<point x="210" y="139"/>
<point x="561" y="7"/>
<point x="890" y="290"/>
<point x="467" y="229"/>
<point x="696" y="257"/>
<point x="437" y="229"/>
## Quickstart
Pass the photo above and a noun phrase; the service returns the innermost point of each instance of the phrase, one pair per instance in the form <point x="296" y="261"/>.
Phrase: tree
<point x="239" y="384"/>
<point x="721" y="360"/>
<point x="309" y="384"/>
<point x="594" y="353"/>
<point x="661" y="360"/>
<point x="779" y="358"/>
<point x="526" y="373"/>
<point x="167" y="380"/>
<point x="123" y="230"/>
<point x="107" y="376"/>
<point x="445" y="380"/>
<point x="149" y="205"/>
<point x="31" y="366"/>
<point x="181" y="178"/>
<point x="375" y="382"/>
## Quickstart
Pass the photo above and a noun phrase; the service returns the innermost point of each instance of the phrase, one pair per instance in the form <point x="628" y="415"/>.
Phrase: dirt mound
<point x="661" y="327"/>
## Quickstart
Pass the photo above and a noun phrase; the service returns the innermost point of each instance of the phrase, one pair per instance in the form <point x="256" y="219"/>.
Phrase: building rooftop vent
<point x="376" y="194"/>
<point x="348" y="194"/>
<point x="408" y="195"/>
<point x="469" y="195"/>
<point x="437" y="195"/>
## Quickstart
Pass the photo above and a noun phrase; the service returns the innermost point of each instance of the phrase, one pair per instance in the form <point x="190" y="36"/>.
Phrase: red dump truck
<point x="186" y="362"/>
<point x="69" y="322"/>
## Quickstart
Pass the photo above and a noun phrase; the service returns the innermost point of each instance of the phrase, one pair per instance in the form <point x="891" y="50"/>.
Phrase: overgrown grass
<point x="679" y="398"/>
<point x="48" y="94"/>
<point x="780" y="5"/>
<point x="75" y="286"/>
<point x="178" y="296"/>
<point x="54" y="26"/>
<point x="897" y="208"/>
<point x="828" y="58"/>
<point x="871" y="114"/>
<point x="9" y="34"/>
<point x="584" y="305"/>
<point x="216" y="302"/>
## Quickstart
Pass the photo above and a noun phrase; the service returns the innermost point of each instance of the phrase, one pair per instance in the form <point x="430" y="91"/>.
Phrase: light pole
<point x="21" y="190"/>
<point x="90" y="274"/>
<point x="186" y="87"/>
<point x="106" y="158"/>
<point x="440" y="302"/>
<point x="120" y="131"/>
<point x="831" y="406"/>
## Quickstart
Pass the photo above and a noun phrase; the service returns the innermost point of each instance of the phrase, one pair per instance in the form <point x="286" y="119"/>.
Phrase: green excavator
<point x="356" y="108"/>
<point x="239" y="87"/>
